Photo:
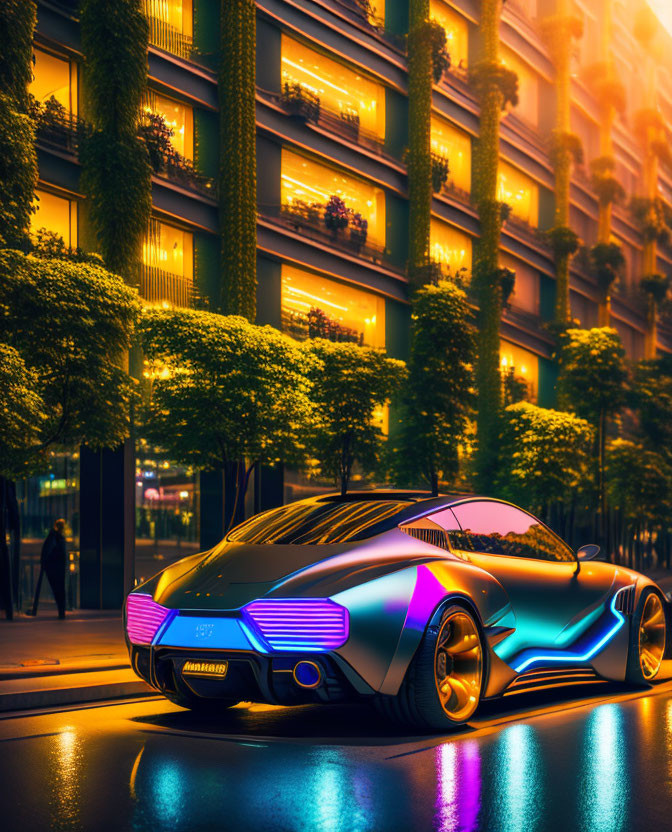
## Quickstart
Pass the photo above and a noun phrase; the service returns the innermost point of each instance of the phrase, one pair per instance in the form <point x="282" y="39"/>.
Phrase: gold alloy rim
<point x="458" y="666"/>
<point x="651" y="636"/>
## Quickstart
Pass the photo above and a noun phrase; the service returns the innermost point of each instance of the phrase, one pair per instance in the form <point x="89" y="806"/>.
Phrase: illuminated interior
<point x="524" y="362"/>
<point x="449" y="246"/>
<point x="525" y="293"/>
<point x="176" y="13"/>
<point x="169" y="249"/>
<point x="520" y="192"/>
<point x="528" y="86"/>
<point x="457" y="32"/>
<point x="54" y="76"/>
<point x="455" y="145"/>
<point x="340" y="90"/>
<point x="56" y="214"/>
<point x="348" y="313"/>
<point x="179" y="117"/>
<point x="303" y="180"/>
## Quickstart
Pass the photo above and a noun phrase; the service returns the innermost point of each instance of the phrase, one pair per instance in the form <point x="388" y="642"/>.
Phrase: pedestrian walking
<point x="53" y="563"/>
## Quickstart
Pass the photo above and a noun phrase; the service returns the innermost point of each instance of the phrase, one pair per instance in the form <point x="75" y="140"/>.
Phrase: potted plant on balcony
<point x="336" y="215"/>
<point x="358" y="230"/>
<point x="300" y="103"/>
<point x="157" y="135"/>
<point x="302" y="212"/>
<point x="440" y="171"/>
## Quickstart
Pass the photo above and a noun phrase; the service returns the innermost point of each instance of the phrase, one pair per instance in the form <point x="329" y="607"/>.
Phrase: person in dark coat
<point x="52" y="563"/>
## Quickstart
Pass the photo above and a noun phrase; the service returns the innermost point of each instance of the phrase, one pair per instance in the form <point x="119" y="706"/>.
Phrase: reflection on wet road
<point x="602" y="763"/>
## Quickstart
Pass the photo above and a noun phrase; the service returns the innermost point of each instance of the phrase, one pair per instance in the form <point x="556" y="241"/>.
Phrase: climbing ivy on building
<point x="560" y="30"/>
<point x="18" y="160"/>
<point x="116" y="174"/>
<point x="495" y="86"/>
<point x="238" y="172"/>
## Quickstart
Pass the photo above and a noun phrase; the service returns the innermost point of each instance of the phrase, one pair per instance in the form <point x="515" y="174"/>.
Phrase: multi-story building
<point x="332" y="120"/>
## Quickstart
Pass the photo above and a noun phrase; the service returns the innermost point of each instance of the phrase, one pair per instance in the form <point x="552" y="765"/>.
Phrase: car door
<point x="552" y="604"/>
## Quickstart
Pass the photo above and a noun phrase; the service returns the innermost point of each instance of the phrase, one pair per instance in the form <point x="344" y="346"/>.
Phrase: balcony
<point x="308" y="221"/>
<point x="166" y="36"/>
<point x="164" y="288"/>
<point x="55" y="127"/>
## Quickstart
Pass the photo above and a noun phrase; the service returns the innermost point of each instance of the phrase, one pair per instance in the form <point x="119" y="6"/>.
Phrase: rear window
<point x="316" y="523"/>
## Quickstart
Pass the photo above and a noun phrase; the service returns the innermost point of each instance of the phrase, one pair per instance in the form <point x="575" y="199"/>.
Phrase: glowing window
<point x="179" y="118"/>
<point x="340" y="90"/>
<point x="524" y="363"/>
<point x="457" y="32"/>
<point x="303" y="180"/>
<point x="316" y="307"/>
<point x="528" y="86"/>
<point x="450" y="246"/>
<point x="520" y="192"/>
<point x="54" y="76"/>
<point x="169" y="249"/>
<point x="455" y="145"/>
<point x="178" y="14"/>
<point x="56" y="214"/>
<point x="526" y="288"/>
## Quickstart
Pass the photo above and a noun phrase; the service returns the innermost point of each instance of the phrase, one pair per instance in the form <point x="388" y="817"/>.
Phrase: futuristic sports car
<point x="423" y="605"/>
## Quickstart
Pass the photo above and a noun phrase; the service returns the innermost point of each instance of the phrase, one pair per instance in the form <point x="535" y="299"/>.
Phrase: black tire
<point x="645" y="641"/>
<point x="201" y="705"/>
<point x="418" y="703"/>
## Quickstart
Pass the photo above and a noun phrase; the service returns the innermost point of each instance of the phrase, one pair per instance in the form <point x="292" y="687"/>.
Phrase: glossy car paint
<point x="393" y="586"/>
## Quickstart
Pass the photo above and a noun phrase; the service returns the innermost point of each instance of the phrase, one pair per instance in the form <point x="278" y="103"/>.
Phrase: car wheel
<point x="442" y="687"/>
<point x="647" y="639"/>
<point x="201" y="705"/>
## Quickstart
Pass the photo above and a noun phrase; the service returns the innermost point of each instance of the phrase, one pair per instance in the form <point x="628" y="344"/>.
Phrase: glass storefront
<point x="54" y="76"/>
<point x="457" y="32"/>
<point x="342" y="91"/>
<point x="520" y="192"/>
<point x="308" y="183"/>
<point x="455" y="145"/>
<point x="57" y="214"/>
<point x="317" y="307"/>
<point x="449" y="246"/>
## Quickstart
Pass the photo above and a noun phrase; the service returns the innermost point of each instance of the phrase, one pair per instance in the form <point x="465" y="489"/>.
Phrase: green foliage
<point x="606" y="87"/>
<point x="651" y="217"/>
<point x="116" y="174"/>
<point x="349" y="383"/>
<point x="564" y="241"/>
<point x="592" y="372"/>
<point x="606" y="262"/>
<point x="48" y="244"/>
<point x="486" y="75"/>
<point x="656" y="286"/>
<point x="440" y="171"/>
<point x="564" y="144"/>
<point x="223" y="390"/>
<point x="21" y="413"/>
<point x="651" y="398"/>
<point x="545" y="455"/>
<point x="435" y="41"/>
<point x="18" y="159"/>
<point x="71" y="323"/>
<point x="514" y="388"/>
<point x="438" y="398"/>
<point x="507" y="282"/>
<point x="638" y="482"/>
<point x="238" y="173"/>
<point x="607" y="188"/>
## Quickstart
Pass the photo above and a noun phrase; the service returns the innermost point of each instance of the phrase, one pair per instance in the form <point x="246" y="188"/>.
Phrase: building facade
<point x="332" y="121"/>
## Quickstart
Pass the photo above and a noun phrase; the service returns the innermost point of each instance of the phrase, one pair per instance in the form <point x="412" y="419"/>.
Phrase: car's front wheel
<point x="442" y="687"/>
<point x="647" y="639"/>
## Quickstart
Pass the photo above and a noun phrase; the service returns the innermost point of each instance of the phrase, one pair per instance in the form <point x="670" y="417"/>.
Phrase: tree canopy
<point x="349" y="383"/>
<point x="21" y="413"/>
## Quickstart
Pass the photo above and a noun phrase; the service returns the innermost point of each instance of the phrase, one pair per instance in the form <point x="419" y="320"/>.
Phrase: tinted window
<point x="315" y="523"/>
<point x="498" y="529"/>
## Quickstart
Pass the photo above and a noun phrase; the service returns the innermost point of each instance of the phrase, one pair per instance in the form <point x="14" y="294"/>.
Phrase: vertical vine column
<point x="238" y="171"/>
<point x="18" y="159"/>
<point x="419" y="139"/>
<point x="116" y="174"/>
<point x="560" y="29"/>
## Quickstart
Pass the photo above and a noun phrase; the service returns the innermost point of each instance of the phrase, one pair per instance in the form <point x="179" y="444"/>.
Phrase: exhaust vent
<point x="435" y="537"/>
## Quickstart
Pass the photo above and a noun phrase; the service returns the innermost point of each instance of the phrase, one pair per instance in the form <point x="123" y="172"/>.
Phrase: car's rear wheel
<point x="647" y="639"/>
<point x="442" y="687"/>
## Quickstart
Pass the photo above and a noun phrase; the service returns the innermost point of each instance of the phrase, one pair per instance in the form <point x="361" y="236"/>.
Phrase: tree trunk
<point x="6" y="594"/>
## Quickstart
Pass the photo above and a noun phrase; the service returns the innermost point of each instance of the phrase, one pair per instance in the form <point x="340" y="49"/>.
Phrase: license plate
<point x="213" y="669"/>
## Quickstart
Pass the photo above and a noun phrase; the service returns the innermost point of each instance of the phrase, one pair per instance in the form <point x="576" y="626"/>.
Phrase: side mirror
<point x="588" y="552"/>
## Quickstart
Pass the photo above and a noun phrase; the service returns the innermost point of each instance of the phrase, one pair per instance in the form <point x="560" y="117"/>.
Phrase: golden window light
<point x="524" y="363"/>
<point x="453" y="143"/>
<point x="54" y="76"/>
<point x="457" y="32"/>
<point x="56" y="214"/>
<point x="180" y="119"/>
<point x="520" y="192"/>
<point x="450" y="246"/>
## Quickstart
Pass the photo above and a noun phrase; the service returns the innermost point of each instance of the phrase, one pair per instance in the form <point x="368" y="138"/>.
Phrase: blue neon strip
<point x="575" y="657"/>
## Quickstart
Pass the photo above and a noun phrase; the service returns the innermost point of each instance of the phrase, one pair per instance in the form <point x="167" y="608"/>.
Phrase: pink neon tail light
<point x="144" y="617"/>
<point x="310" y="624"/>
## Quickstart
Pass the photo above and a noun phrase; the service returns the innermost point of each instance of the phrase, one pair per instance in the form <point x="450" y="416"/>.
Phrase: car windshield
<point x="315" y="523"/>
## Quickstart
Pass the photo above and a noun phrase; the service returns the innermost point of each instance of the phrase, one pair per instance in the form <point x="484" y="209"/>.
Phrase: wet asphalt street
<point x="601" y="762"/>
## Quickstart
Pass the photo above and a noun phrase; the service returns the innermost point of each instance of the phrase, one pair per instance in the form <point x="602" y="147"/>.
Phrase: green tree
<point x="21" y="413"/>
<point x="438" y="397"/>
<point x="546" y="456"/>
<point x="116" y="174"/>
<point x="591" y="383"/>
<point x="224" y="394"/>
<point x="349" y="384"/>
<point x="651" y="399"/>
<point x="238" y="166"/>
<point x="18" y="159"/>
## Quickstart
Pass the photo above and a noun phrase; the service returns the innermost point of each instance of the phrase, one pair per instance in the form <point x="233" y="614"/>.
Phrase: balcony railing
<point x="308" y="221"/>
<point x="161" y="287"/>
<point x="165" y="36"/>
<point x="181" y="171"/>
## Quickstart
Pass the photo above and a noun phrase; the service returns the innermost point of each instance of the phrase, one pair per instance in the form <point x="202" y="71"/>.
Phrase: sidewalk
<point x="48" y="662"/>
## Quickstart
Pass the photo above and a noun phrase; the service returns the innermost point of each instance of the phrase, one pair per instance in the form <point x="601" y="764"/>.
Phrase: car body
<point x="343" y="598"/>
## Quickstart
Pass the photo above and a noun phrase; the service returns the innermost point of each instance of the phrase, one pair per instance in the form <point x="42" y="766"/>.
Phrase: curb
<point x="71" y="688"/>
